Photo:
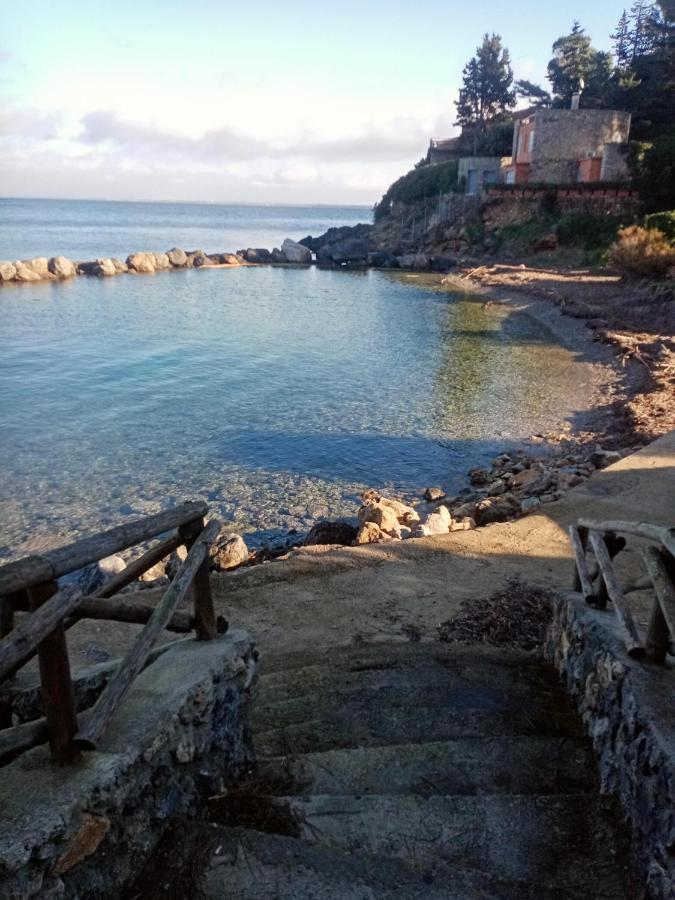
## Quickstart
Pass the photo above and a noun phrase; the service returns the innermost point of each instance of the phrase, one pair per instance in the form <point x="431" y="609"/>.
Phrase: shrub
<point x="593" y="232"/>
<point x="657" y="177"/>
<point x="642" y="251"/>
<point x="419" y="184"/>
<point x="663" y="222"/>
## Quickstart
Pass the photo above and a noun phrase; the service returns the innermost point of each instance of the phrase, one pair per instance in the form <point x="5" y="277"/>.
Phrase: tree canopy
<point x="487" y="92"/>
<point x="577" y="66"/>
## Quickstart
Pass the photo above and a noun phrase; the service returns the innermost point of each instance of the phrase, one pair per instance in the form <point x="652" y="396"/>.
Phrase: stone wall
<point x="179" y="735"/>
<point x="627" y="708"/>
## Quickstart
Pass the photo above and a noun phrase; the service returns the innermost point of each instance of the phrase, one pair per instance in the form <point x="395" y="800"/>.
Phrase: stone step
<point x="250" y="865"/>
<point x="569" y="840"/>
<point x="512" y="765"/>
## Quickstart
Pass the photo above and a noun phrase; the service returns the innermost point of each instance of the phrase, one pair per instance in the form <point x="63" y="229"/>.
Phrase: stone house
<point x="479" y="172"/>
<point x="563" y="146"/>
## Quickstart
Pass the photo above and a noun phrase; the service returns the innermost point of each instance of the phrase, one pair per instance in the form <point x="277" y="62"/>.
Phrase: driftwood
<point x="138" y="566"/>
<point x="582" y="580"/>
<point x="57" y="687"/>
<point x="661" y="629"/>
<point x="657" y="533"/>
<point x="87" y="738"/>
<point x="48" y="566"/>
<point x="630" y="632"/>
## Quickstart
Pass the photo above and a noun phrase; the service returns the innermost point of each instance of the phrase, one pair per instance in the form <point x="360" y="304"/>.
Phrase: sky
<point x="262" y="102"/>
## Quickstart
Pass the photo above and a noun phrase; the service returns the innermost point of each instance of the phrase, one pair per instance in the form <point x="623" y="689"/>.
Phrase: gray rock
<point x="382" y="259"/>
<point x="497" y="509"/>
<point x="192" y="255"/>
<point x="602" y="458"/>
<point x="434" y="493"/>
<point x="278" y="257"/>
<point x="529" y="504"/>
<point x="62" y="267"/>
<point x="257" y="255"/>
<point x="331" y="533"/>
<point x="177" y="257"/>
<point x="295" y="252"/>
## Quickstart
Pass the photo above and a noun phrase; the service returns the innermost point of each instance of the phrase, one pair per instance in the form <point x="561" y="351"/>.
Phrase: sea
<point x="275" y="394"/>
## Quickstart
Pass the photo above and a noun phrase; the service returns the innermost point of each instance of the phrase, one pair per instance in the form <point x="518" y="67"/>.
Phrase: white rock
<point x="296" y="253"/>
<point x="62" y="267"/>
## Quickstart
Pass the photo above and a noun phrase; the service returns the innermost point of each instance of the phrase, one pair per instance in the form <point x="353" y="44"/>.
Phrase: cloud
<point x="17" y="123"/>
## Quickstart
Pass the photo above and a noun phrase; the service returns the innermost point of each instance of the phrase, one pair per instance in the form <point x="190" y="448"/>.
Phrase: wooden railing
<point x="30" y="585"/>
<point x="596" y="562"/>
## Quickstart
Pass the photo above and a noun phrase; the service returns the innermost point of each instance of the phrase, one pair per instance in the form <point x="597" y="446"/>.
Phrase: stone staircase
<point x="416" y="770"/>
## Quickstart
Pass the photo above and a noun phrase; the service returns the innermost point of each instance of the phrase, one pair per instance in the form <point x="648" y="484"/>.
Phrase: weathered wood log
<point x="137" y="567"/>
<point x="57" y="688"/>
<point x="52" y="564"/>
<point x="658" y="533"/>
<point x="88" y="737"/>
<point x="614" y="545"/>
<point x="629" y="631"/>
<point x="582" y="578"/>
<point x="205" y="615"/>
<point x="6" y="616"/>
<point x="661" y="631"/>
<point x="24" y="640"/>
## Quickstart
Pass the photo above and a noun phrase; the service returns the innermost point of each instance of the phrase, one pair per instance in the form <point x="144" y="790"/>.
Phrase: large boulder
<point x="228" y="552"/>
<point x="279" y="258"/>
<point x="337" y="234"/>
<point x="352" y="252"/>
<point x="192" y="256"/>
<point x="162" y="261"/>
<point x="497" y="509"/>
<point x="120" y="267"/>
<point x="295" y="252"/>
<point x="7" y="271"/>
<point x="24" y="273"/>
<point x="141" y="262"/>
<point x="331" y="533"/>
<point x="257" y="255"/>
<point x="176" y="257"/>
<point x="382" y="259"/>
<point x="39" y="265"/>
<point x="62" y="267"/>
<point x="104" y="268"/>
<point x="384" y="516"/>
<point x="370" y="533"/>
<point x="201" y="260"/>
<point x="438" y="522"/>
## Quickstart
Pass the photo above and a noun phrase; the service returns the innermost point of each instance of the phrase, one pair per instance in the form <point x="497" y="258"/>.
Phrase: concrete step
<point x="570" y="840"/>
<point x="250" y="865"/>
<point x="512" y="765"/>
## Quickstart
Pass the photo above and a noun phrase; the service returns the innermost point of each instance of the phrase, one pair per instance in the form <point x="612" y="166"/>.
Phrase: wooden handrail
<point x="630" y="632"/>
<point x="658" y="533"/>
<point x="52" y="564"/>
<point x="88" y="737"/>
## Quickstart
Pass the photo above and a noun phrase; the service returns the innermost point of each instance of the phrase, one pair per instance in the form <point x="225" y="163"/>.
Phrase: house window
<point x="530" y="144"/>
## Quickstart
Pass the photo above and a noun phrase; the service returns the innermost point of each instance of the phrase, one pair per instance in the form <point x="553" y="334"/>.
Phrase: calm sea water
<point x="276" y="394"/>
<point x="89" y="229"/>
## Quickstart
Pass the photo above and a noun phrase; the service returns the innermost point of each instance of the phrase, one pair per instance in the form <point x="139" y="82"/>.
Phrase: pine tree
<point x="621" y="38"/>
<point x="486" y="94"/>
<point x="578" y="66"/>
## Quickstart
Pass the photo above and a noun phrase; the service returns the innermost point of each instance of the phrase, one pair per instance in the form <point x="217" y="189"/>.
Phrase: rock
<point x="603" y="458"/>
<point x="442" y="263"/>
<point x="62" y="267"/>
<point x="438" y="522"/>
<point x="200" y="260"/>
<point x="370" y="533"/>
<point x="531" y="481"/>
<point x="154" y="572"/>
<point x="278" y="257"/>
<point x="331" y="533"/>
<point x="231" y="259"/>
<point x="406" y="261"/>
<point x="228" y="552"/>
<point x="479" y="476"/>
<point x="120" y="267"/>
<point x="39" y="265"/>
<point x="174" y="562"/>
<point x="465" y="510"/>
<point x="466" y="523"/>
<point x="141" y="262"/>
<point x="382" y="259"/>
<point x="295" y="252"/>
<point x="104" y="268"/>
<point x="336" y="235"/>
<point x="257" y="255"/>
<point x="353" y="251"/>
<point x="176" y="257"/>
<point x="529" y="504"/>
<point x="405" y="514"/>
<point x="421" y="531"/>
<point x="497" y="487"/>
<point x="95" y="575"/>
<point x="83" y="843"/>
<point x="405" y="532"/>
<point x="434" y="493"/>
<point x="421" y="262"/>
<point x="497" y="509"/>
<point x="381" y="515"/>
<point x="7" y="271"/>
<point x="162" y="261"/>
<point x="567" y="480"/>
<point x="192" y="255"/>
<point x="24" y="273"/>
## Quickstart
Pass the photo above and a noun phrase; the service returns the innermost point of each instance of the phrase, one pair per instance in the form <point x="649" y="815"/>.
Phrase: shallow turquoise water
<point x="275" y="393"/>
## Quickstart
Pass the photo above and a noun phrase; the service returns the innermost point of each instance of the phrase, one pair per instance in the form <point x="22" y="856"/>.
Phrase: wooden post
<point x="614" y="545"/>
<point x="630" y="632"/>
<point x="138" y="566"/>
<point x="662" y="623"/>
<point x="57" y="688"/>
<point x="582" y="579"/>
<point x="6" y="616"/>
<point x="200" y="592"/>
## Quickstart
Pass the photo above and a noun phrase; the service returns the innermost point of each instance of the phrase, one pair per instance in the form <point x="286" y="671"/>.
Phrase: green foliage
<point x="656" y="178"/>
<point x="535" y="94"/>
<point x="593" y="232"/>
<point x="486" y="93"/>
<point x="578" y="66"/>
<point x="419" y="184"/>
<point x="663" y="222"/>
